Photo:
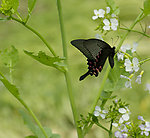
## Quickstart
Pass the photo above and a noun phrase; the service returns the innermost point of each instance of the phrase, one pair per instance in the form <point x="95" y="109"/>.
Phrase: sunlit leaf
<point x="31" y="136"/>
<point x="147" y="7"/>
<point x="11" y="88"/>
<point x="46" y="60"/>
<point x="31" y="4"/>
<point x="9" y="57"/>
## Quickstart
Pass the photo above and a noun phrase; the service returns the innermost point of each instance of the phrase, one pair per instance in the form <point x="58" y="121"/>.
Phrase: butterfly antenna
<point x="84" y="76"/>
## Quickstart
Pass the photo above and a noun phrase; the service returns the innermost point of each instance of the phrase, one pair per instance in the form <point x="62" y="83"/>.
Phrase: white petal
<point x="121" y="120"/>
<point x="120" y="56"/>
<point x="113" y="15"/>
<point x="134" y="47"/>
<point x="94" y="17"/>
<point x="135" y="61"/>
<point x="124" y="135"/>
<point x="142" y="127"/>
<point x="101" y="13"/>
<point x="106" y="27"/>
<point x="147" y="124"/>
<point x="107" y="9"/>
<point x="114" y="21"/>
<point x="128" y="84"/>
<point x="122" y="110"/>
<point x="138" y="80"/>
<point x="127" y="62"/>
<point x="96" y="12"/>
<point x="123" y="48"/>
<point x="147" y="87"/>
<point x="125" y="117"/>
<point x="114" y="27"/>
<point x="122" y="76"/>
<point x="128" y="47"/>
<point x="147" y="129"/>
<point x="149" y="26"/>
<point x="146" y="133"/>
<point x="141" y="118"/>
<point x="97" y="108"/>
<point x="96" y="113"/>
<point x="106" y="22"/>
<point x="118" y="134"/>
<point x="102" y="116"/>
<point x="115" y="124"/>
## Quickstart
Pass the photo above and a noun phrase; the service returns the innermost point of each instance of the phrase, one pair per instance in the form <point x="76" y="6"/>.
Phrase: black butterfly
<point x="96" y="52"/>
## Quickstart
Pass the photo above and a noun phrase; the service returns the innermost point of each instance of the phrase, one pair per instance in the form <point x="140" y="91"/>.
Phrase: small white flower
<point x="120" y="56"/>
<point x="126" y="117"/>
<point x="114" y="24"/>
<point x="113" y="15"/>
<point x="141" y="118"/>
<point x="145" y="128"/>
<point x="138" y="80"/>
<point x="125" y="47"/>
<point x="107" y="10"/>
<point x="134" y="47"/>
<point x="129" y="67"/>
<point x="122" y="110"/>
<point x="98" y="14"/>
<point x="118" y="134"/>
<point x="98" y="36"/>
<point x="128" y="82"/>
<point x="107" y="24"/>
<point x="116" y="101"/>
<point x="99" y="112"/>
<point x="147" y="87"/>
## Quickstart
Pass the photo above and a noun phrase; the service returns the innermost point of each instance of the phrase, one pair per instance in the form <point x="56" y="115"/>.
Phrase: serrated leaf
<point x="9" y="57"/>
<point x="147" y="7"/>
<point x="31" y="4"/>
<point x="11" y="88"/>
<point x="112" y="5"/>
<point x="46" y="60"/>
<point x="34" y="128"/>
<point x="9" y="7"/>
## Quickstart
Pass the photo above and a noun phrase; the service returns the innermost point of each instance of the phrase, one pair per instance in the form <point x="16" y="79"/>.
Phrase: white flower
<point x="147" y="87"/>
<point x="118" y="134"/>
<point x="138" y="80"/>
<point x="122" y="110"/>
<point x="141" y="118"/>
<point x="125" y="117"/>
<point x="125" y="47"/>
<point x="115" y="124"/>
<point x="114" y="24"/>
<point x="145" y="128"/>
<point x="98" y="36"/>
<point x="99" y="112"/>
<point x="129" y="67"/>
<point x="113" y="15"/>
<point x="98" y="14"/>
<point x="120" y="56"/>
<point x="128" y="82"/>
<point x="134" y="47"/>
<point x="107" y="24"/>
<point x="107" y="9"/>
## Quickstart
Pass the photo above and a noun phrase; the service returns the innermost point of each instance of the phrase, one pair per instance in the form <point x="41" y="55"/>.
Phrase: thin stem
<point x="66" y="73"/>
<point x="11" y="72"/>
<point x="141" y="62"/>
<point x="35" y="32"/>
<point x="135" y="31"/>
<point x="110" y="130"/>
<point x="98" y="124"/>
<point x="33" y="115"/>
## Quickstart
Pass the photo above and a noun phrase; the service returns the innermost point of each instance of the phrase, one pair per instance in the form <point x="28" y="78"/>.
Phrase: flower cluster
<point x="131" y="63"/>
<point x="108" y="20"/>
<point x="99" y="112"/>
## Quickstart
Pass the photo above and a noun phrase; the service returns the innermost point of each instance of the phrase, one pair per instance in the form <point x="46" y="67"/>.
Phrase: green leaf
<point x="147" y="7"/>
<point x="31" y="4"/>
<point x="11" y="88"/>
<point x="114" y="81"/>
<point x="9" y="57"/>
<point x="9" y="7"/>
<point x="47" y="60"/>
<point x="34" y="128"/>
<point x="112" y="5"/>
<point x="55" y="136"/>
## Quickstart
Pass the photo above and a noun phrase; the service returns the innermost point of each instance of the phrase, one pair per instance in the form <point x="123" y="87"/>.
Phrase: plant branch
<point x="98" y="124"/>
<point x="35" y="32"/>
<point x="135" y="31"/>
<point x="67" y="75"/>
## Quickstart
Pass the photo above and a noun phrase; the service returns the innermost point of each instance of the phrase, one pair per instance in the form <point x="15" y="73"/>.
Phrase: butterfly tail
<point x="84" y="76"/>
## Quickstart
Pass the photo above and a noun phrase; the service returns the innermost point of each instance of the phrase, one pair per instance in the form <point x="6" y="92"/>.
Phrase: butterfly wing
<point x="79" y="44"/>
<point x="111" y="61"/>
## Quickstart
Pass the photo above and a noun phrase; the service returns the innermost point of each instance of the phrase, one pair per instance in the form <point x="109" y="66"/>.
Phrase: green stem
<point x="33" y="115"/>
<point x="35" y="32"/>
<point x="135" y="31"/>
<point x="98" y="124"/>
<point x="110" y="130"/>
<point x="66" y="73"/>
<point x="11" y="72"/>
<point x="108" y="68"/>
<point x="141" y="62"/>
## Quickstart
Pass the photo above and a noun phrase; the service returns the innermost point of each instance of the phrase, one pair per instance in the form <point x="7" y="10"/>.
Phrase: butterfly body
<point x="96" y="52"/>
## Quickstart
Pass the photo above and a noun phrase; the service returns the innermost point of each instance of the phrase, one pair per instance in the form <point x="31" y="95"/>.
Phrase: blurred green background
<point x="44" y="88"/>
